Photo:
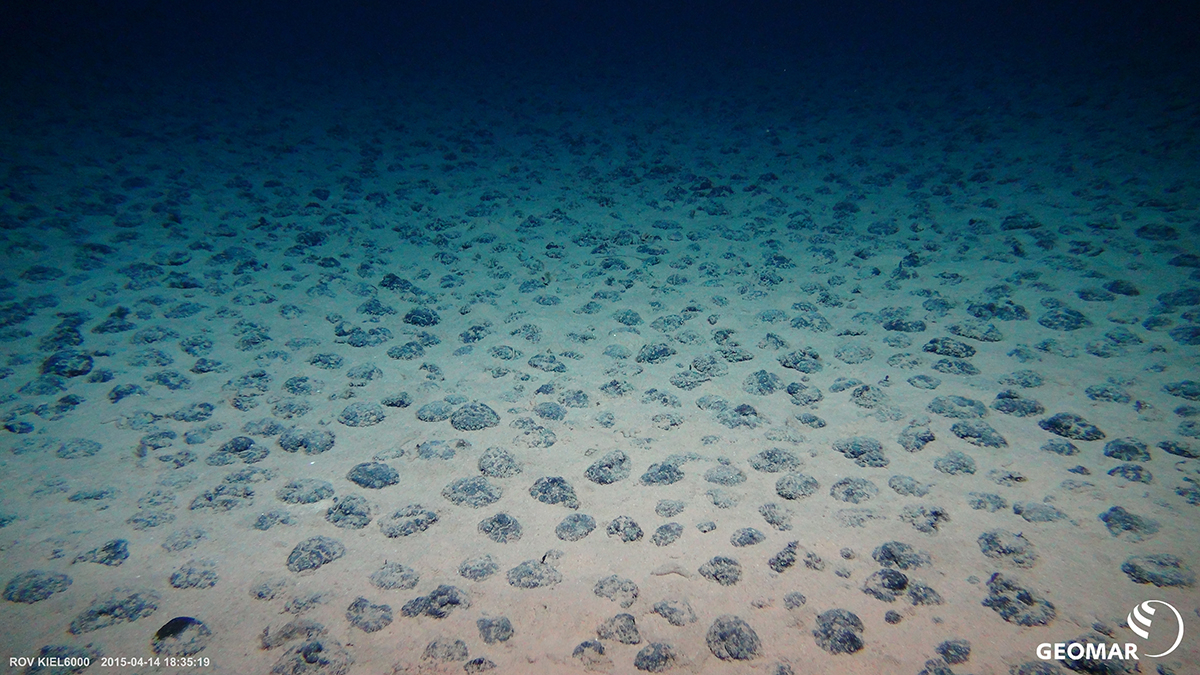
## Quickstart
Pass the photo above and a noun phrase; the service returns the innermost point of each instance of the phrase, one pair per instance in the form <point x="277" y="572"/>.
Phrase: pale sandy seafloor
<point x="615" y="270"/>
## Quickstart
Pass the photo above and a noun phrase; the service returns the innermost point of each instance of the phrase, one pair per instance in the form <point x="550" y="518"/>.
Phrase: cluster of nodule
<point x="544" y="366"/>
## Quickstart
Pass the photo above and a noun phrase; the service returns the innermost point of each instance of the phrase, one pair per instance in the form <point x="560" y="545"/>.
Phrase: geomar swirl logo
<point x="1139" y="622"/>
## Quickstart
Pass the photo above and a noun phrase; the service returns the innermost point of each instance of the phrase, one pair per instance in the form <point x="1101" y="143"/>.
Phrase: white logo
<point x="1139" y="623"/>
